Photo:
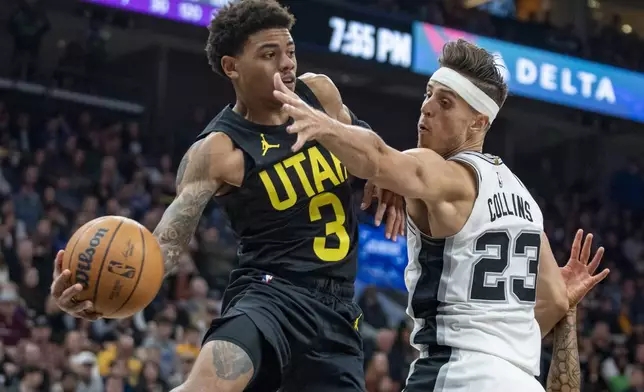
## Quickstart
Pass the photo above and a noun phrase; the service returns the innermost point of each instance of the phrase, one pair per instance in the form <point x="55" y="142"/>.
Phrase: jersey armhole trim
<point x="520" y="182"/>
<point x="248" y="160"/>
<point x="411" y="226"/>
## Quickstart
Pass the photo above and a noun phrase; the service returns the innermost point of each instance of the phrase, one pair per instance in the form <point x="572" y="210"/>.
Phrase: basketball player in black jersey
<point x="289" y="320"/>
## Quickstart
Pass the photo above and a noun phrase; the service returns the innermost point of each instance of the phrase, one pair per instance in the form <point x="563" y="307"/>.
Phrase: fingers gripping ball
<point x="119" y="264"/>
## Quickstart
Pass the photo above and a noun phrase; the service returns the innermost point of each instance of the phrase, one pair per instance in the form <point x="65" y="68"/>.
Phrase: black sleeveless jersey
<point x="293" y="212"/>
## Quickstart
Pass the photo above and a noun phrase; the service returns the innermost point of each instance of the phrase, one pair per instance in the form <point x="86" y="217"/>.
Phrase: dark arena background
<point x="99" y="99"/>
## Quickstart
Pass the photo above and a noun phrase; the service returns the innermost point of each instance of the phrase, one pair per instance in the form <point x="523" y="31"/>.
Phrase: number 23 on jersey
<point x="496" y="250"/>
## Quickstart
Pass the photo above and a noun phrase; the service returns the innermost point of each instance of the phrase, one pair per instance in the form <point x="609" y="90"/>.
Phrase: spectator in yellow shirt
<point x="123" y="349"/>
<point x="190" y="342"/>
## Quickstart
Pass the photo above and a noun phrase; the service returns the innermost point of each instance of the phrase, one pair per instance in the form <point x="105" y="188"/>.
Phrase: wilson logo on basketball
<point x="124" y="270"/>
<point x="85" y="258"/>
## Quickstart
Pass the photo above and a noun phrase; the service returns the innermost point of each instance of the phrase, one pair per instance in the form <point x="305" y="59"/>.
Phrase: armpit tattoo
<point x="180" y="220"/>
<point x="230" y="361"/>
<point x="565" y="373"/>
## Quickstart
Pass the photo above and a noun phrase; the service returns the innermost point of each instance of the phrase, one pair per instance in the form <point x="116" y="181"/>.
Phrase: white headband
<point x="468" y="91"/>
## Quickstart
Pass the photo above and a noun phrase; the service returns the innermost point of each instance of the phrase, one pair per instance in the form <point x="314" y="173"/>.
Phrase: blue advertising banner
<point x="381" y="262"/>
<point x="543" y="75"/>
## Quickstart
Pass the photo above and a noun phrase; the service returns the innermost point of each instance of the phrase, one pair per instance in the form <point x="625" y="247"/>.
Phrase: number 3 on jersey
<point x="335" y="227"/>
<point x="497" y="249"/>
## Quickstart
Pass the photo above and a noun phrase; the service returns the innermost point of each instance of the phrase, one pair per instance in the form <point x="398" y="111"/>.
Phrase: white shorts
<point x="469" y="371"/>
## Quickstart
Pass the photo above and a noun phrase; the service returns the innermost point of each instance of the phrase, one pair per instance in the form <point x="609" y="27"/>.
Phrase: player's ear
<point x="229" y="66"/>
<point x="479" y="123"/>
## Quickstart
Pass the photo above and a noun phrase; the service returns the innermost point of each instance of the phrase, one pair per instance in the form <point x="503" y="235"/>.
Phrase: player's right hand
<point x="63" y="292"/>
<point x="579" y="275"/>
<point x="391" y="204"/>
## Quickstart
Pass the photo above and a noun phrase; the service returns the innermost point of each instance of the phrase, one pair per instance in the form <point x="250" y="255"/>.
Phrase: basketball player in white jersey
<point x="476" y="242"/>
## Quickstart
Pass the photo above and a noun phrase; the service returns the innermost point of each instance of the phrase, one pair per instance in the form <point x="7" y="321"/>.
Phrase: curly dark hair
<point x="476" y="64"/>
<point x="236" y="21"/>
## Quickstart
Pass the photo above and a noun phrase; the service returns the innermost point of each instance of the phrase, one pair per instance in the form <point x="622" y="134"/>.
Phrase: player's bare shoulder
<point x="326" y="92"/>
<point x="319" y="83"/>
<point x="458" y="171"/>
<point x="213" y="158"/>
<point x="449" y="200"/>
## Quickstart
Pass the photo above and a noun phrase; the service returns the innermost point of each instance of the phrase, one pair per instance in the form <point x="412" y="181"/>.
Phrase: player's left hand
<point x="63" y="292"/>
<point x="389" y="202"/>
<point x="578" y="274"/>
<point x="308" y="123"/>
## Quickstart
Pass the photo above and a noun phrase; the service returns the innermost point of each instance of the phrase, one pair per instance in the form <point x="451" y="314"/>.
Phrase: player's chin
<point x="423" y="141"/>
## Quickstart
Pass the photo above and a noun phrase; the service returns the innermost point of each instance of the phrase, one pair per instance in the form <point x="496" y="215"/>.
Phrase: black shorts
<point x="306" y="333"/>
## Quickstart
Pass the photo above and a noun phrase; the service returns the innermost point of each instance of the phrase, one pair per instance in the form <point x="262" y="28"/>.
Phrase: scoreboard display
<point x="372" y="37"/>
<point x="365" y="36"/>
<point x="198" y="12"/>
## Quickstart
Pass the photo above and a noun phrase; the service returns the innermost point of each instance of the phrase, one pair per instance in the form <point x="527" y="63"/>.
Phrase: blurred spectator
<point x="191" y="344"/>
<point x="31" y="378"/>
<point x="373" y="313"/>
<point x="197" y="305"/>
<point x="150" y="379"/>
<point x="13" y="318"/>
<point x="186" y="361"/>
<point x="22" y="135"/>
<point x="84" y="366"/>
<point x="27" y="25"/>
<point x="161" y="339"/>
<point x="51" y="355"/>
<point x="637" y="380"/>
<point x="28" y="207"/>
<point x="401" y="356"/>
<point x="377" y="373"/>
<point x="123" y="353"/>
<point x="68" y="382"/>
<point x="116" y="379"/>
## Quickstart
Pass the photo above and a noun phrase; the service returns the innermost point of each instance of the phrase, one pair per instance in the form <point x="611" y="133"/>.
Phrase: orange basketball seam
<point x="138" y="279"/>
<point x="100" y="271"/>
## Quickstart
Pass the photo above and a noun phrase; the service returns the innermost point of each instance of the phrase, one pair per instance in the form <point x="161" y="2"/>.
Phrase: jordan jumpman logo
<point x="266" y="146"/>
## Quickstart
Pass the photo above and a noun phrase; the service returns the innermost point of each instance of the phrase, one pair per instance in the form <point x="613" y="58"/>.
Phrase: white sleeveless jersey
<point x="476" y="290"/>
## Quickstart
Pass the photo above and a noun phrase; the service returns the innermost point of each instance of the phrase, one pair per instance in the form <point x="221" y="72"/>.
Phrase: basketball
<point x="118" y="262"/>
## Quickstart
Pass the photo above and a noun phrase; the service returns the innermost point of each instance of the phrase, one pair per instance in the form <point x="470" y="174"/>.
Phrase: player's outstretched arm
<point x="390" y="205"/>
<point x="198" y="179"/>
<point x="427" y="175"/>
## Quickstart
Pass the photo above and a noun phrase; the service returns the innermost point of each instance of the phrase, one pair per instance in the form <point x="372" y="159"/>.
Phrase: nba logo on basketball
<point x="267" y="278"/>
<point x="121" y="269"/>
